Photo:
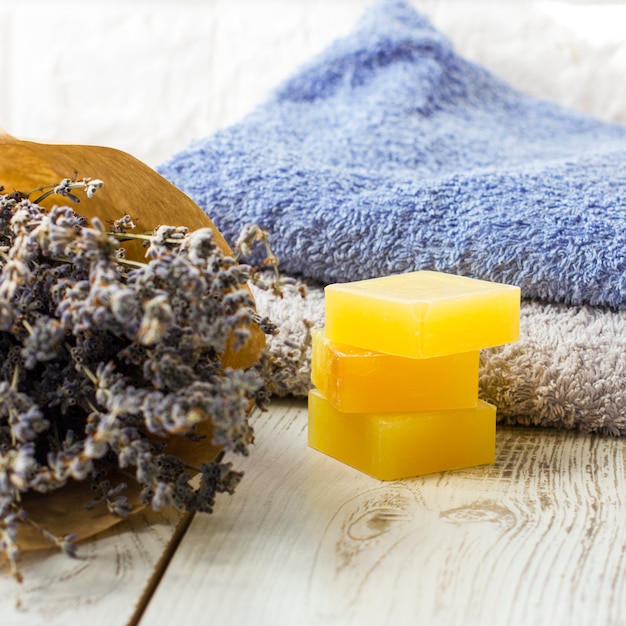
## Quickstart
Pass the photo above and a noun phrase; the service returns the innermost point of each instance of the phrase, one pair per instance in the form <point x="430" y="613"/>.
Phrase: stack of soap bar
<point x="396" y="372"/>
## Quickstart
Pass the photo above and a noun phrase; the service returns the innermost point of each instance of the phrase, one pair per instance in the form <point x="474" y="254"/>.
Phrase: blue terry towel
<point x="389" y="152"/>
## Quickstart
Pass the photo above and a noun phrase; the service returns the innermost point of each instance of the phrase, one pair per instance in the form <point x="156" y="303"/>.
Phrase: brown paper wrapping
<point x="131" y="187"/>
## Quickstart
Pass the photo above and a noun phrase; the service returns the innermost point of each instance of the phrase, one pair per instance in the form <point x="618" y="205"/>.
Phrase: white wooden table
<point x="537" y="538"/>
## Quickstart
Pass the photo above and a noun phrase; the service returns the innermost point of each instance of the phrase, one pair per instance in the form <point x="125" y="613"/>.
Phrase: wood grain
<point x="104" y="586"/>
<point x="536" y="538"/>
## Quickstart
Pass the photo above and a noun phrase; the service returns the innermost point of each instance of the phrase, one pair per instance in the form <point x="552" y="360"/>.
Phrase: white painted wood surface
<point x="537" y="538"/>
<point x="105" y="586"/>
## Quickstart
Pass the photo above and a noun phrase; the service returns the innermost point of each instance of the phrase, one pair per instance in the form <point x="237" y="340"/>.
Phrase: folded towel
<point x="568" y="370"/>
<point x="389" y="152"/>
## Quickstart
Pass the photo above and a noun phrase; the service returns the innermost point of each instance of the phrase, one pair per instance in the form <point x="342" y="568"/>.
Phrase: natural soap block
<point x="390" y="446"/>
<point x="356" y="380"/>
<point x="422" y="314"/>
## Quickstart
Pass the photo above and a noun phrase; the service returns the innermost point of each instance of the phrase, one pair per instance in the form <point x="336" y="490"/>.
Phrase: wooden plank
<point x="104" y="586"/>
<point x="538" y="537"/>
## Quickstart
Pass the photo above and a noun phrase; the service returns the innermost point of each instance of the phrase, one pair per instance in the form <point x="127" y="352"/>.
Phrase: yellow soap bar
<point x="422" y="314"/>
<point x="356" y="380"/>
<point x="390" y="446"/>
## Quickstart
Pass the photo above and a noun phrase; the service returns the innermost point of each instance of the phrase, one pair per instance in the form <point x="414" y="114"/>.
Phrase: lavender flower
<point x="102" y="363"/>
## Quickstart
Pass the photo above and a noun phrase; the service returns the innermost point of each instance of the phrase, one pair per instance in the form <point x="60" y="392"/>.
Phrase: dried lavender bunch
<point x="103" y="360"/>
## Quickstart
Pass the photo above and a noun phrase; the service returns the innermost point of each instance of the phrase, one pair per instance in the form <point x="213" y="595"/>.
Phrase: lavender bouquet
<point x="120" y="379"/>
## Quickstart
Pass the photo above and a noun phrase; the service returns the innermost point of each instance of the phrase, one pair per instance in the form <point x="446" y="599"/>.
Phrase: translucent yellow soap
<point x="356" y="380"/>
<point x="422" y="314"/>
<point x="390" y="446"/>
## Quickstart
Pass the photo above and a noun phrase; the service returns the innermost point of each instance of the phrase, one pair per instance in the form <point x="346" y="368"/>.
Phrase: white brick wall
<point x="149" y="76"/>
